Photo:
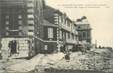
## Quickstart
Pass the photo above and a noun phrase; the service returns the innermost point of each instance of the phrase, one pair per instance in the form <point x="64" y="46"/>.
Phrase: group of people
<point x="13" y="47"/>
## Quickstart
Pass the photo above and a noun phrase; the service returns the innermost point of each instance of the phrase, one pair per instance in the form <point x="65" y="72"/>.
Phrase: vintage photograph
<point x="56" y="36"/>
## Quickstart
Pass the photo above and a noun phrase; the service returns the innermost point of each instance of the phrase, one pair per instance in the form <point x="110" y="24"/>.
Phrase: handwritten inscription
<point x="84" y="5"/>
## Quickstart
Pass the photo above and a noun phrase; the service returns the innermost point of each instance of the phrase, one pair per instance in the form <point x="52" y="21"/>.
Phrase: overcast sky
<point x="100" y="16"/>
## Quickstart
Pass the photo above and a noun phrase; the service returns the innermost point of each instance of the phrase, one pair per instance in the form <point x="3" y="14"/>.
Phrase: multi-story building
<point x="59" y="30"/>
<point x="38" y="28"/>
<point x="21" y="20"/>
<point x="84" y="29"/>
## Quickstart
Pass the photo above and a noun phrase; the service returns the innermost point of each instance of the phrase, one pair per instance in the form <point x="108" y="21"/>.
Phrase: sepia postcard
<point x="56" y="36"/>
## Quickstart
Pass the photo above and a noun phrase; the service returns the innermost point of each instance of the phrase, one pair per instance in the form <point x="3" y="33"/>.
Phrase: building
<point x="21" y="20"/>
<point x="39" y="28"/>
<point x="84" y="30"/>
<point x="84" y="34"/>
<point x="59" y="30"/>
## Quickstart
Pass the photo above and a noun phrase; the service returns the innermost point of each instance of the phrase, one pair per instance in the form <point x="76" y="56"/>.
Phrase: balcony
<point x="66" y="28"/>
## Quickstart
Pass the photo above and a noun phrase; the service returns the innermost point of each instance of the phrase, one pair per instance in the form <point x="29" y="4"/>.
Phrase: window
<point x="30" y="33"/>
<point x="50" y="32"/>
<point x="60" y="19"/>
<point x="20" y="22"/>
<point x="30" y="1"/>
<point x="30" y="5"/>
<point x="19" y="17"/>
<point x="31" y="27"/>
<point x="7" y="33"/>
<point x="56" y="18"/>
<point x="46" y="47"/>
<point x="88" y="34"/>
<point x="7" y="28"/>
<point x="66" y="22"/>
<point x="56" y="21"/>
<point x="69" y="24"/>
<point x="7" y="22"/>
<point x="84" y="35"/>
<point x="20" y="27"/>
<point x="7" y="17"/>
<point x="30" y="11"/>
<point x="30" y="16"/>
<point x="30" y="21"/>
<point x="68" y="35"/>
<point x="20" y="33"/>
<point x="64" y="35"/>
<point x="73" y="36"/>
<point x="60" y="34"/>
<point x="56" y="15"/>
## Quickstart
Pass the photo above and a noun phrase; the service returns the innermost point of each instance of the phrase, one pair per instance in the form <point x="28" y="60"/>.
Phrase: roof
<point x="49" y="13"/>
<point x="47" y="23"/>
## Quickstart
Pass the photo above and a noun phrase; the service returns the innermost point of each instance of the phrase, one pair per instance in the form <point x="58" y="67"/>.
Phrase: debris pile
<point x="40" y="59"/>
<point x="98" y="59"/>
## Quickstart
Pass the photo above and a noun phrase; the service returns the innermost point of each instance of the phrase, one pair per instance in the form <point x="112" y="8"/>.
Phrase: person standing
<point x="0" y="50"/>
<point x="14" y="47"/>
<point x="10" y="47"/>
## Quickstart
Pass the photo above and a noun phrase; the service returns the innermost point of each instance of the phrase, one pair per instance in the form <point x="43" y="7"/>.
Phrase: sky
<point x="98" y="12"/>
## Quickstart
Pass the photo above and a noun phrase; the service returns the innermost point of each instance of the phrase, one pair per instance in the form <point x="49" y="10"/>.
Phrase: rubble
<point x="98" y="59"/>
<point x="92" y="60"/>
<point x="40" y="59"/>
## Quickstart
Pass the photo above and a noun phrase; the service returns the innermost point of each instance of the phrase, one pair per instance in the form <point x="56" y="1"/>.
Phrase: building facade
<point x="59" y="30"/>
<point x="84" y="29"/>
<point x="21" y="20"/>
<point x="39" y="28"/>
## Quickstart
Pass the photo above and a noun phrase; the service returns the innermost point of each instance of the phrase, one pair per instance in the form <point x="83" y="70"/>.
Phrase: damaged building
<point x="38" y="28"/>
